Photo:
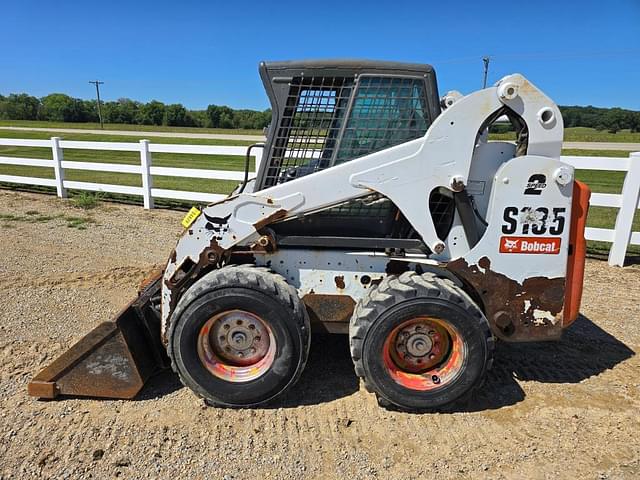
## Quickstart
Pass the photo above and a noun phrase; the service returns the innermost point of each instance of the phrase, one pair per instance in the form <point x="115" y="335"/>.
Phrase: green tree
<point x="199" y="118"/>
<point x="19" y="106"/>
<point x="226" y="120"/>
<point x="176" y="115"/>
<point x="151" y="113"/>
<point x="59" y="107"/>
<point x="634" y="122"/>
<point x="89" y="107"/>
<point x="123" y="110"/>
<point x="220" y="116"/>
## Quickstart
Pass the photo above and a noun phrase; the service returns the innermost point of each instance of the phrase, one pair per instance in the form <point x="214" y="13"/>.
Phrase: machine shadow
<point x="328" y="376"/>
<point x="164" y="383"/>
<point x="584" y="351"/>
<point x="629" y="259"/>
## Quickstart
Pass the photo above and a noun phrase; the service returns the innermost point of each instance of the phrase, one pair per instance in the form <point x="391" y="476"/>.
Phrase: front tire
<point x="420" y="343"/>
<point x="240" y="337"/>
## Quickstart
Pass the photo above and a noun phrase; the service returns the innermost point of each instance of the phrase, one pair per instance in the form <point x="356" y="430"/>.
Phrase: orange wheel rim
<point x="423" y="353"/>
<point x="236" y="346"/>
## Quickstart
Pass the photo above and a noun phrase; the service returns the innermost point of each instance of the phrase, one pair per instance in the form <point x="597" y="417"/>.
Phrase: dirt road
<point x="557" y="410"/>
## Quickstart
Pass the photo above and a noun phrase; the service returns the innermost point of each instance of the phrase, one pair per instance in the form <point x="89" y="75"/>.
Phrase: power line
<point x="547" y="56"/>
<point x="97" y="83"/>
<point x="569" y="55"/>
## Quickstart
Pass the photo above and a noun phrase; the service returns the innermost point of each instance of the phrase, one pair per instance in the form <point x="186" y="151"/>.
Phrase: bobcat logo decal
<point x="510" y="245"/>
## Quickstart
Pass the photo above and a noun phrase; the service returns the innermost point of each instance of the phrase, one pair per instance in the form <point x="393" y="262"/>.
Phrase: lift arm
<point x="406" y="174"/>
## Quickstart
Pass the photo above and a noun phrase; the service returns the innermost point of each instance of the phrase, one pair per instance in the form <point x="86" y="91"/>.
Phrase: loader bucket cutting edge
<point x="114" y="360"/>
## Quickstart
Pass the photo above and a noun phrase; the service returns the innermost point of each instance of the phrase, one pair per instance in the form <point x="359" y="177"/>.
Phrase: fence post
<point x="624" y="220"/>
<point x="145" y="169"/>
<point x="57" y="167"/>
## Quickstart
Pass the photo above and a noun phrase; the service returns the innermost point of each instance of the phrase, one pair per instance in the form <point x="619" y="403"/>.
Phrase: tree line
<point x="611" y="119"/>
<point x="59" y="107"/>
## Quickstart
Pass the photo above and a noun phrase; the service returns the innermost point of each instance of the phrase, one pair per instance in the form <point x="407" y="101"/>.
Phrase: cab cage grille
<point x="308" y="129"/>
<point x="324" y="122"/>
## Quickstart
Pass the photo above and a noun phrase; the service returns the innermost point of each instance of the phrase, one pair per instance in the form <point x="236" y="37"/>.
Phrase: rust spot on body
<point x="188" y="271"/>
<point x="333" y="312"/>
<point x="154" y="275"/>
<point x="516" y="312"/>
<point x="274" y="217"/>
<point x="339" y="279"/>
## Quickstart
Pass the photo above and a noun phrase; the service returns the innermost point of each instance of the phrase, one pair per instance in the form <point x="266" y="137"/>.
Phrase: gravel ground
<point x="565" y="409"/>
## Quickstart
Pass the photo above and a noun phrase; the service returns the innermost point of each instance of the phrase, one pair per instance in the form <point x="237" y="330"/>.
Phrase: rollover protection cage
<point x="330" y="112"/>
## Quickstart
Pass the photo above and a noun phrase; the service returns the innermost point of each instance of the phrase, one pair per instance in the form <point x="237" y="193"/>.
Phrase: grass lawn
<point x="599" y="181"/>
<point x="584" y="134"/>
<point x="122" y="126"/>
<point x="573" y="134"/>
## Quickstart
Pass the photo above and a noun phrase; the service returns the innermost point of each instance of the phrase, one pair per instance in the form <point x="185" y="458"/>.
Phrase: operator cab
<point x="330" y="112"/>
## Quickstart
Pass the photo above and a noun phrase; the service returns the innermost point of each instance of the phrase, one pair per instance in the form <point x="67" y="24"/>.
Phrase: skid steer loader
<point x="380" y="211"/>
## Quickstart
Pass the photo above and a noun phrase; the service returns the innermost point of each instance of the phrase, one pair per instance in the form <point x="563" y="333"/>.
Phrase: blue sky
<point x="197" y="53"/>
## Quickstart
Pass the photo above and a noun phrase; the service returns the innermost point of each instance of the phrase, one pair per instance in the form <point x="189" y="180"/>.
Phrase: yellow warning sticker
<point x="190" y="217"/>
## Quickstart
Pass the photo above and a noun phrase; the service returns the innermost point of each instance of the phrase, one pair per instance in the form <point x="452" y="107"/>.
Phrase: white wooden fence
<point x="627" y="202"/>
<point x="620" y="237"/>
<point x="146" y="169"/>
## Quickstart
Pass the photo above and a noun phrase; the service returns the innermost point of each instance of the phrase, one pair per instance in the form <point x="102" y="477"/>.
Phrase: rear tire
<point x="420" y="343"/>
<point x="240" y="337"/>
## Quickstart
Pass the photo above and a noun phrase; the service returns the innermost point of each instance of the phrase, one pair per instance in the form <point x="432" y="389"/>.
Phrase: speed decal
<point x="548" y="245"/>
<point x="537" y="182"/>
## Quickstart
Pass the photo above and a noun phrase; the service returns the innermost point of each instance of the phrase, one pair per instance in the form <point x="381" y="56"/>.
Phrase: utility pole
<point x="97" y="83"/>
<point x="486" y="70"/>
